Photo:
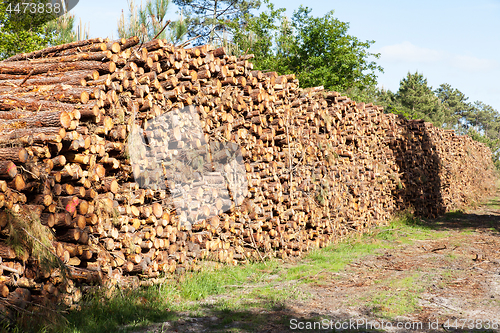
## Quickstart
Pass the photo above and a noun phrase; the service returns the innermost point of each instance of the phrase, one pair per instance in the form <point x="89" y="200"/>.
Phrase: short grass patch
<point x="494" y="204"/>
<point x="400" y="297"/>
<point x="402" y="230"/>
<point x="259" y="285"/>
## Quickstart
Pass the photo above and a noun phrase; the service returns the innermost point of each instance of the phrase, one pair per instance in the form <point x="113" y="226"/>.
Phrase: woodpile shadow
<point x="419" y="190"/>
<point x="485" y="222"/>
<point x="439" y="171"/>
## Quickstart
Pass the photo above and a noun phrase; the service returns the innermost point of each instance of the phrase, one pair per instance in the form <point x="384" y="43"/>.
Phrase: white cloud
<point x="473" y="64"/>
<point x="406" y="52"/>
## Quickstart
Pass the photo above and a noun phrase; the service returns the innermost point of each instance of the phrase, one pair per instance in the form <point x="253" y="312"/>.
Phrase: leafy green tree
<point x="366" y="94"/>
<point x="17" y="14"/>
<point x="265" y="36"/>
<point x="213" y="20"/>
<point x="317" y="49"/>
<point x="19" y="33"/>
<point x="149" y="21"/>
<point x="26" y="33"/>
<point x="324" y="54"/>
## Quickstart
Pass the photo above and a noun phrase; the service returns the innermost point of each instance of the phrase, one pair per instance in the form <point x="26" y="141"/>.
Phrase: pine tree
<point x="149" y="21"/>
<point x="419" y="100"/>
<point x="212" y="20"/>
<point x="390" y="101"/>
<point x="484" y="119"/>
<point x="63" y="30"/>
<point x="455" y="106"/>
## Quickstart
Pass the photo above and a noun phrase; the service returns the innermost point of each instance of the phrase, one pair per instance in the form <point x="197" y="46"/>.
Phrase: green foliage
<point x="317" y="49"/>
<point x="492" y="143"/>
<point x="113" y="310"/>
<point x="63" y="30"/>
<point x="266" y="36"/>
<point x="445" y="107"/>
<point x="149" y="21"/>
<point x="14" y="29"/>
<point x="27" y="236"/>
<point x="418" y="99"/>
<point x="391" y="103"/>
<point x="27" y="33"/>
<point x="367" y="94"/>
<point x="322" y="53"/>
<point x="455" y="106"/>
<point x="110" y="312"/>
<point x="478" y="120"/>
<point x="483" y="118"/>
<point x="212" y="20"/>
<point x="178" y="30"/>
<point x="18" y="14"/>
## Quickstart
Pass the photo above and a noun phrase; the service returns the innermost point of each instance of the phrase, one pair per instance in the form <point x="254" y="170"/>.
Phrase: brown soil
<point x="453" y="280"/>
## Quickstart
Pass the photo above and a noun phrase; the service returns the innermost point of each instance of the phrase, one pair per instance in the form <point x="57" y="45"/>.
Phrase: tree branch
<point x="158" y="34"/>
<point x="232" y="3"/>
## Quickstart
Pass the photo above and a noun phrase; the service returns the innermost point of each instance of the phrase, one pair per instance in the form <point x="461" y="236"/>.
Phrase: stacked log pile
<point x="316" y="165"/>
<point x="441" y="171"/>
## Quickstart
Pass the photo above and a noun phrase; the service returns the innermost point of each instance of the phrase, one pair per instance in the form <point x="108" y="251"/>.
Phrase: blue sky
<point x="455" y="42"/>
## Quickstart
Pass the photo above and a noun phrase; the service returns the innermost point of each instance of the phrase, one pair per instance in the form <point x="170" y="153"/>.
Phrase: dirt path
<point x="449" y="282"/>
<point x="453" y="280"/>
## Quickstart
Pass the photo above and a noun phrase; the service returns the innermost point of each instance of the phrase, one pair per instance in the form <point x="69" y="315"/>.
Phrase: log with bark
<point x="143" y="159"/>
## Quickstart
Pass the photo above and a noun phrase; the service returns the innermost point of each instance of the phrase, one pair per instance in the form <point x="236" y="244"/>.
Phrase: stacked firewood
<point x="144" y="159"/>
<point x="441" y="171"/>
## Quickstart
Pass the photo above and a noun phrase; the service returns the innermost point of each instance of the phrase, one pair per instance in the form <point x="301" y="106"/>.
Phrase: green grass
<point x="402" y="230"/>
<point x="451" y="257"/>
<point x="453" y="215"/>
<point x="332" y="258"/>
<point x="401" y="299"/>
<point x="244" y="288"/>
<point x="131" y="308"/>
<point x="128" y="309"/>
<point x="494" y="204"/>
